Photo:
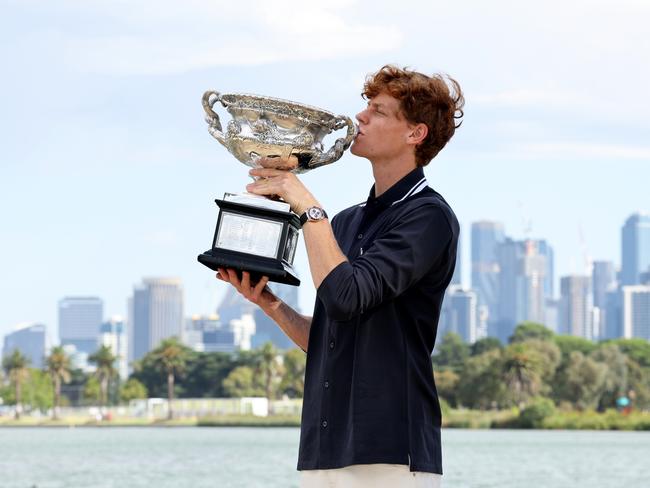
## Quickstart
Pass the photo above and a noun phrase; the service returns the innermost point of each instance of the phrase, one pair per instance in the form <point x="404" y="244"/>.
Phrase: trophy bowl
<point x="267" y="127"/>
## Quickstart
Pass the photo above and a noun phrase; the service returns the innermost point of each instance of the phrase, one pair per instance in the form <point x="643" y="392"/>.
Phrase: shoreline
<point x="456" y="419"/>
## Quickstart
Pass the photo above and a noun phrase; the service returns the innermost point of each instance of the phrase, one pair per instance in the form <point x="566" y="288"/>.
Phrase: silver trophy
<point x="258" y="234"/>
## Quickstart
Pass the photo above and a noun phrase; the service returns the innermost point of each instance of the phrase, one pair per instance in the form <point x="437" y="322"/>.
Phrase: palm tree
<point x="105" y="361"/>
<point x="521" y="371"/>
<point x="59" y="367"/>
<point x="15" y="365"/>
<point x="170" y="358"/>
<point x="270" y="368"/>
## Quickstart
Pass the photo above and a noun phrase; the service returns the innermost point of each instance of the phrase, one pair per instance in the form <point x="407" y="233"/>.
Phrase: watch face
<point x="315" y="213"/>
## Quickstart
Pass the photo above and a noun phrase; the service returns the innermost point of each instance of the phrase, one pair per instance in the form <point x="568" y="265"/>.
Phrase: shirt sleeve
<point x="396" y="260"/>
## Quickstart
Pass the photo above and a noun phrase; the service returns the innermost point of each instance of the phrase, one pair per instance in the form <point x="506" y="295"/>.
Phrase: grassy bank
<point x="455" y="419"/>
<point x="220" y="421"/>
<point x="573" y="420"/>
<point x="610" y="420"/>
<point x="250" y="421"/>
<point x="86" y="422"/>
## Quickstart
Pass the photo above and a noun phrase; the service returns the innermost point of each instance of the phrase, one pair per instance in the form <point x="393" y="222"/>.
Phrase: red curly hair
<point x="436" y="101"/>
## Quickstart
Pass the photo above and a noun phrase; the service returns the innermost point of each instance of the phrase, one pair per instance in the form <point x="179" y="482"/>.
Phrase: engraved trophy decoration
<point x="254" y="233"/>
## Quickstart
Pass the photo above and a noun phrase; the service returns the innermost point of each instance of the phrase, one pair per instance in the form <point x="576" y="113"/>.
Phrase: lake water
<point x="266" y="457"/>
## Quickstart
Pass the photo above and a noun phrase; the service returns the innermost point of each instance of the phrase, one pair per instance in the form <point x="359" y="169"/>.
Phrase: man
<point x="371" y="415"/>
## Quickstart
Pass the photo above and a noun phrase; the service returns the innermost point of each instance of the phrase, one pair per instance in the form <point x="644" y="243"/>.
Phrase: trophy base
<point x="257" y="266"/>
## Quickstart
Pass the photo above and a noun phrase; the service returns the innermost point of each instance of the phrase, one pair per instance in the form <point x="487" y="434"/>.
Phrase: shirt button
<point x="332" y="345"/>
<point x="324" y="424"/>
<point x="327" y="384"/>
<point x="360" y="236"/>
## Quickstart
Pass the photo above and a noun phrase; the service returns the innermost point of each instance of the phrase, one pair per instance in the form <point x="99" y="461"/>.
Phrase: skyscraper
<point x="636" y="312"/>
<point x="155" y="313"/>
<point x="522" y="273"/>
<point x="79" y="322"/>
<point x="604" y="282"/>
<point x="576" y="307"/>
<point x="635" y="248"/>
<point x="206" y="333"/>
<point x="546" y="250"/>
<point x="29" y="339"/>
<point x="486" y="237"/>
<point x="459" y="314"/>
<point x="112" y="333"/>
<point x="645" y="277"/>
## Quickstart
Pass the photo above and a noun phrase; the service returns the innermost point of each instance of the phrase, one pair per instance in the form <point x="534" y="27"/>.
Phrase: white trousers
<point x="369" y="476"/>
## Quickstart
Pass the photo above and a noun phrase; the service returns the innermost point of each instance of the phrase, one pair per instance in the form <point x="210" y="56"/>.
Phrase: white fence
<point x="157" y="408"/>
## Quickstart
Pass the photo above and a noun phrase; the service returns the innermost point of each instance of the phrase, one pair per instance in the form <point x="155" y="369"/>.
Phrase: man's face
<point x="383" y="130"/>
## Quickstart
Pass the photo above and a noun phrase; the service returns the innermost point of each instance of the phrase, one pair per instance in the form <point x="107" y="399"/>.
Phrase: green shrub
<point x="533" y="416"/>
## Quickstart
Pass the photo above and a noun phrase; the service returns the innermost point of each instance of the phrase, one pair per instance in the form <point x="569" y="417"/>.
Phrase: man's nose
<point x="361" y="117"/>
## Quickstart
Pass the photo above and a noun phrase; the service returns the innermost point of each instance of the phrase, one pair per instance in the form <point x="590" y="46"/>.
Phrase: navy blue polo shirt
<point x="370" y="395"/>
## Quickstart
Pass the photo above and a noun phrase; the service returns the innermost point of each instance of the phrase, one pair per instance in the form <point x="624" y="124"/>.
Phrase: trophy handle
<point x="340" y="145"/>
<point x="210" y="98"/>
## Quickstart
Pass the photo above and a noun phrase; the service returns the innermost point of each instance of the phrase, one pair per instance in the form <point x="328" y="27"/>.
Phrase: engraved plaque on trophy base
<point x="256" y="239"/>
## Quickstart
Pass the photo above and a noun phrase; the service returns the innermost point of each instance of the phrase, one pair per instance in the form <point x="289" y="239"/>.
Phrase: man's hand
<point x="274" y="181"/>
<point x="259" y="293"/>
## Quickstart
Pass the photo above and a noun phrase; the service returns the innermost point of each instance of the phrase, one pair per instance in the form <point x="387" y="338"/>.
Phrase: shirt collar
<point x="410" y="184"/>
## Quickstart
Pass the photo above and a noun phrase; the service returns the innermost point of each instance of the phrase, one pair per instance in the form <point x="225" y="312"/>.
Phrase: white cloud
<point x="584" y="150"/>
<point x="533" y="97"/>
<point x="176" y="37"/>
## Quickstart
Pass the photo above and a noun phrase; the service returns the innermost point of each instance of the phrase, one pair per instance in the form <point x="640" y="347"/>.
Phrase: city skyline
<point x="112" y="175"/>
<point x="490" y="248"/>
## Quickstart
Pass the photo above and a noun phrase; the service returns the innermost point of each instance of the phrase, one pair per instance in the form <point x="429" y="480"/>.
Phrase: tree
<point x="105" y="361"/>
<point x="550" y="359"/>
<point x="132" y="390"/>
<point x="241" y="383"/>
<point x="205" y="373"/>
<point x="16" y="367"/>
<point x="582" y="381"/>
<point x="522" y="370"/>
<point x="616" y="374"/>
<point x="452" y="353"/>
<point x="170" y="359"/>
<point x="569" y="344"/>
<point x="59" y="367"/>
<point x="447" y="385"/>
<point x="293" y="380"/>
<point x="531" y="330"/>
<point x="92" y="390"/>
<point x="270" y="369"/>
<point x="636" y="349"/>
<point x="638" y="384"/>
<point x="485" y="344"/>
<point x="480" y="384"/>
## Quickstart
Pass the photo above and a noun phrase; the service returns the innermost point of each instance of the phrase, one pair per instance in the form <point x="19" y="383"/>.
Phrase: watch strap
<point x="304" y="218"/>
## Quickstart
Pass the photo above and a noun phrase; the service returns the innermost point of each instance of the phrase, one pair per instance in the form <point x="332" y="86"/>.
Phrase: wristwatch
<point x="313" y="214"/>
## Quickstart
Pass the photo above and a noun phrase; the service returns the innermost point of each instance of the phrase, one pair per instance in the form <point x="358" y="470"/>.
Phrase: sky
<point x="108" y="173"/>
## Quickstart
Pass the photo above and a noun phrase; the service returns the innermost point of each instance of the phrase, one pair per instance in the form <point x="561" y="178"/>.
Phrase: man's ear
<point x="418" y="134"/>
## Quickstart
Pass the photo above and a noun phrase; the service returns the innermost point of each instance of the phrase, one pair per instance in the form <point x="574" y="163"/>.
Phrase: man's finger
<point x="246" y="282"/>
<point x="234" y="279"/>
<point x="266" y="172"/>
<point x="259" y="287"/>
<point x="263" y="187"/>
<point x="279" y="163"/>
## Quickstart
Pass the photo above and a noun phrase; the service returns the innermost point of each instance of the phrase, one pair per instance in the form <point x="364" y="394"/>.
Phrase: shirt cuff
<point x="329" y="292"/>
